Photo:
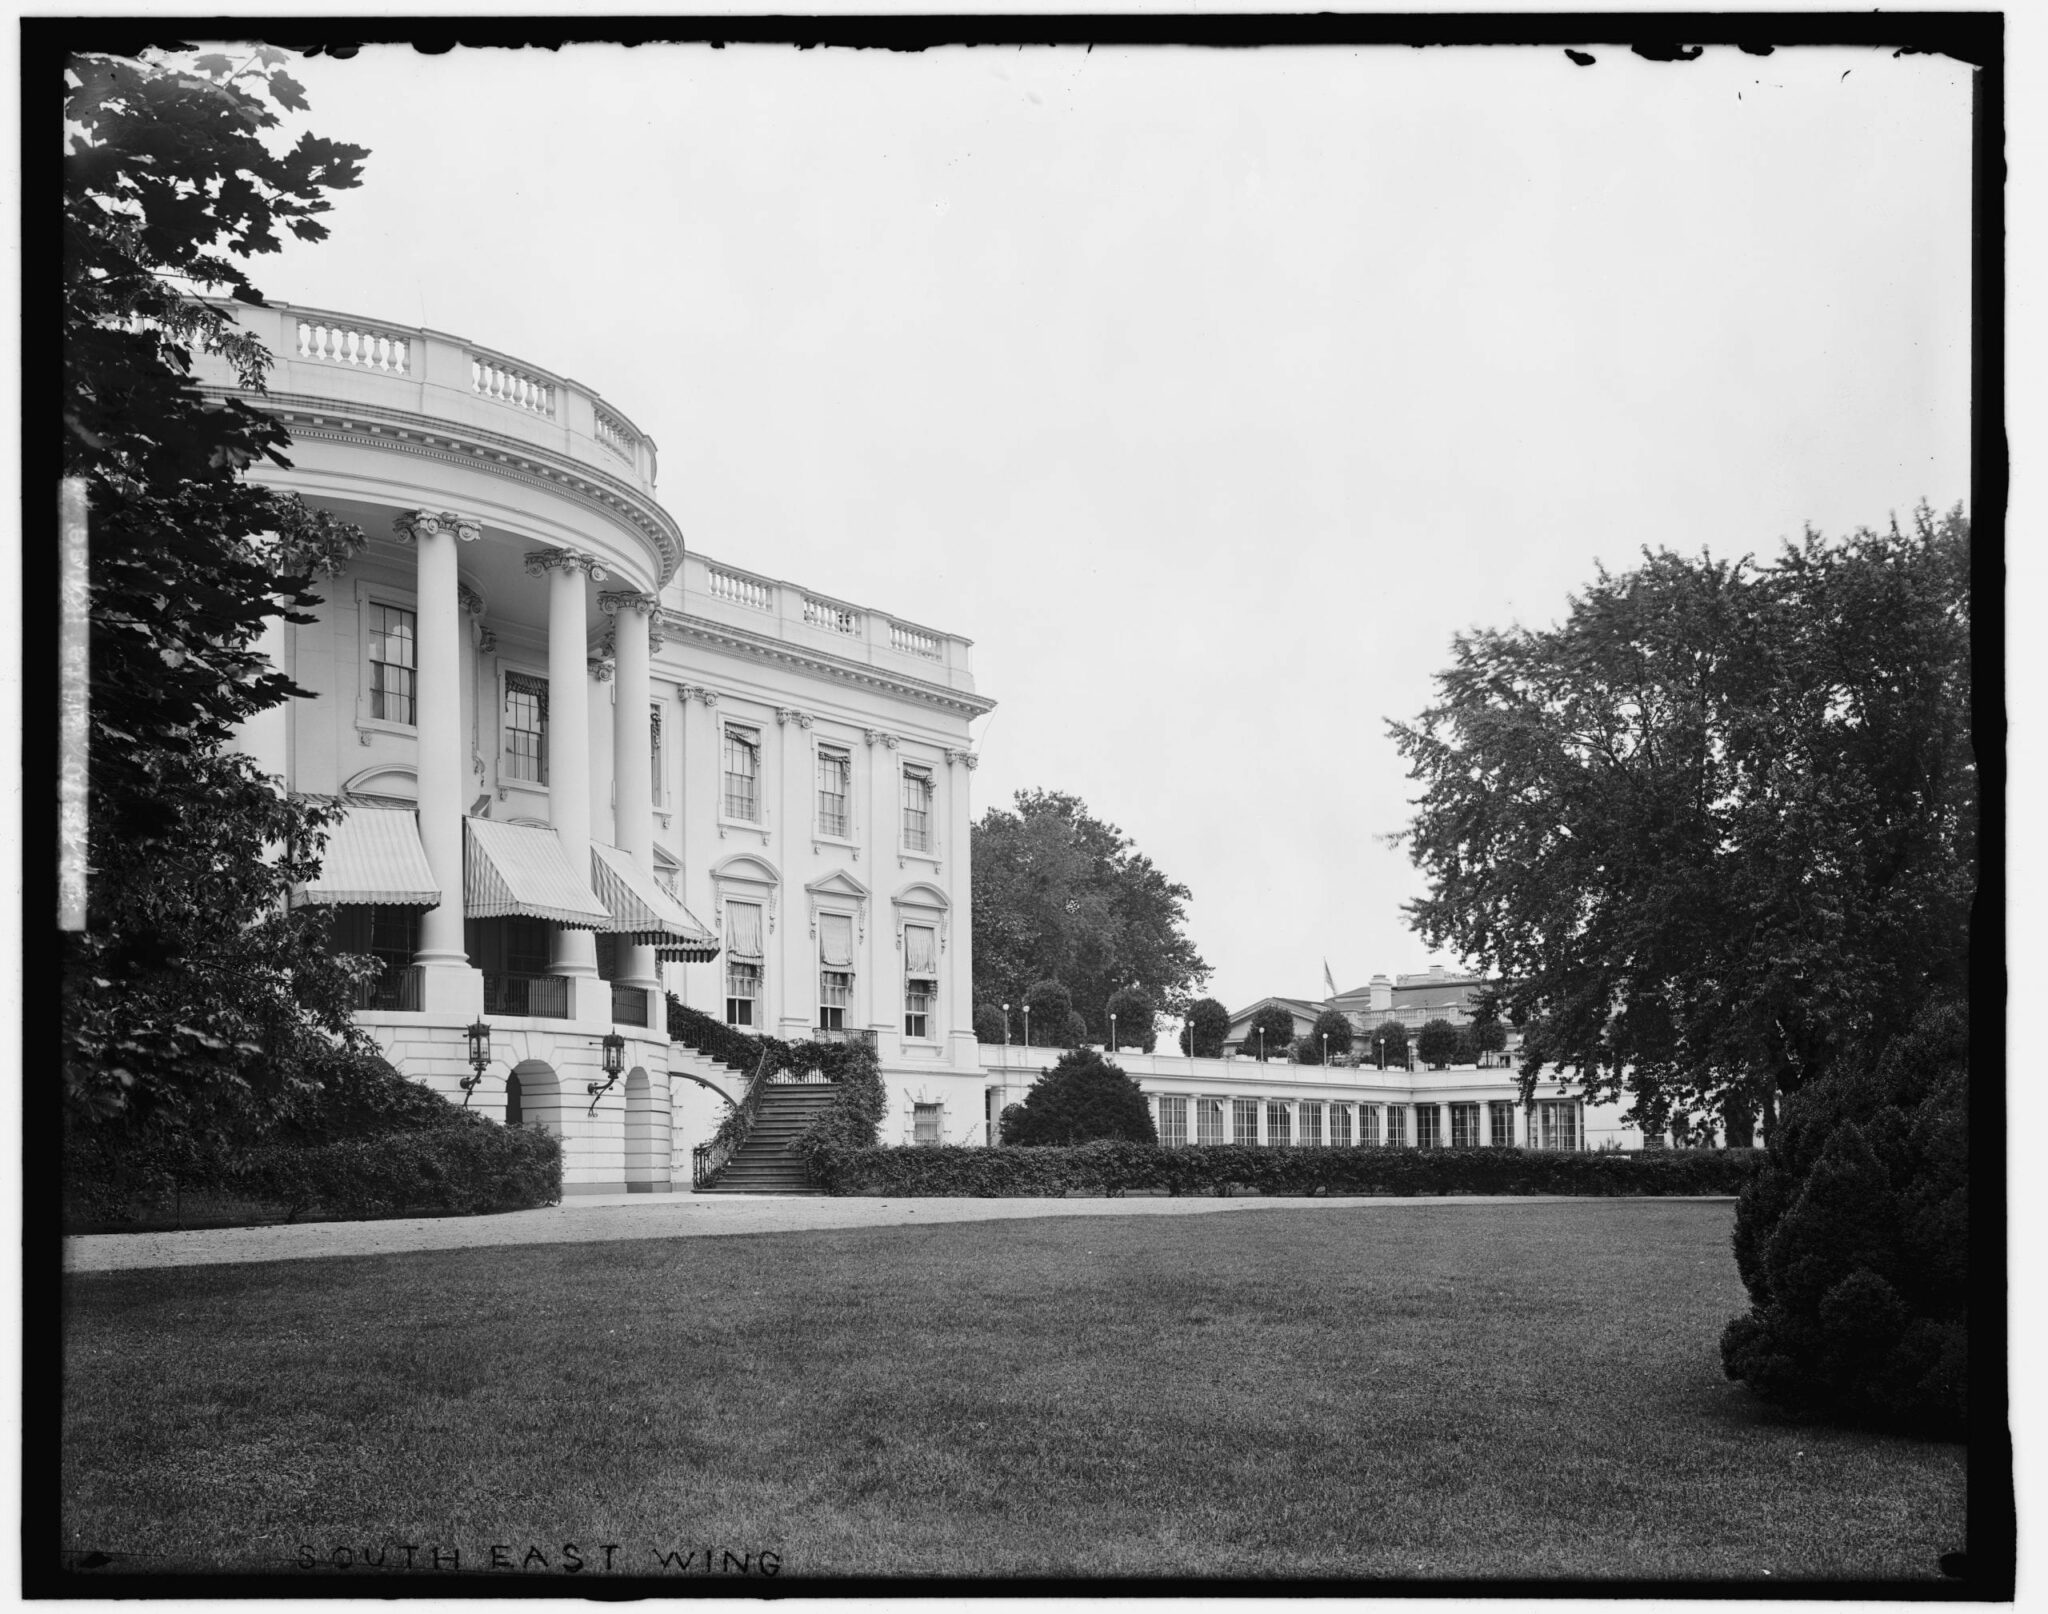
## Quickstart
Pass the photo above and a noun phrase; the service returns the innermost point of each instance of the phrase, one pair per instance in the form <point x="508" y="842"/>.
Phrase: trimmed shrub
<point x="1133" y="1010"/>
<point x="1278" y="1024"/>
<point x="1436" y="1044"/>
<point x="988" y="1024"/>
<point x="1389" y="1044"/>
<point x="471" y="1166"/>
<point x="1083" y="1097"/>
<point x="1118" y="1166"/>
<point x="1076" y="1034"/>
<point x="1854" y="1242"/>
<point x="1210" y="1023"/>
<point x="1332" y="1024"/>
<point x="1049" y="1006"/>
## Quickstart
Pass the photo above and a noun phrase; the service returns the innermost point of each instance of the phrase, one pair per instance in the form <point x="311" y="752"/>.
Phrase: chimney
<point x="1382" y="991"/>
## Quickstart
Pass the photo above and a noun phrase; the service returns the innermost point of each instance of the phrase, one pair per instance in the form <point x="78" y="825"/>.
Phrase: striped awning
<point x="373" y="856"/>
<point x="644" y="911"/>
<point x="519" y="871"/>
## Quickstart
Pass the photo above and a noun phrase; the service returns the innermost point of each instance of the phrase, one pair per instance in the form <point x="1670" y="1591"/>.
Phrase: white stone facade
<point x="526" y="639"/>
<point x="1308" y="1097"/>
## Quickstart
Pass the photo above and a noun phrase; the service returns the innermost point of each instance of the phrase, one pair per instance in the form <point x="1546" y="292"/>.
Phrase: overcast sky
<point x="1209" y="392"/>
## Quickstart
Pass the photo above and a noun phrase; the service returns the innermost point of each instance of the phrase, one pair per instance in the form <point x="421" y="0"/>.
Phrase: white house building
<point x="584" y="764"/>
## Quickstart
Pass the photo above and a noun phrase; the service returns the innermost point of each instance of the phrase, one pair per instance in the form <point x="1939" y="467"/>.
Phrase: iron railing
<point x="629" y="1005"/>
<point x="397" y="989"/>
<point x="539" y="997"/>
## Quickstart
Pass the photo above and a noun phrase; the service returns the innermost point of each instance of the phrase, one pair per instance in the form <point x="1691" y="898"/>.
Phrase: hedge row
<point x="1115" y="1167"/>
<point x="473" y="1165"/>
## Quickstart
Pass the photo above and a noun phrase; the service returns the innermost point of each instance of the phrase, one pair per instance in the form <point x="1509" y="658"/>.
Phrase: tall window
<point x="1557" y="1123"/>
<point x="393" y="665"/>
<point x="835" y="786"/>
<point x="1208" y="1120"/>
<point x="1501" y="1116"/>
<point x="1173" y="1121"/>
<point x="1369" y="1124"/>
<point x="1464" y="1126"/>
<point x="526" y="727"/>
<point x="1279" y="1128"/>
<point x="654" y="753"/>
<point x="1428" y="1126"/>
<point x="742" y="963"/>
<point x="917" y="809"/>
<point x="835" y="970"/>
<point x="920" y="978"/>
<point x="1244" y="1120"/>
<point x="1312" y="1126"/>
<point x="927" y="1123"/>
<point x="1340" y="1126"/>
<point x="743" y="775"/>
<point x="1397" y="1126"/>
<point x="389" y="935"/>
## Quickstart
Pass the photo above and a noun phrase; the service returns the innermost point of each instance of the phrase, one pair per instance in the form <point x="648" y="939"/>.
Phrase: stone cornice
<point x="725" y="636"/>
<point x="403" y="431"/>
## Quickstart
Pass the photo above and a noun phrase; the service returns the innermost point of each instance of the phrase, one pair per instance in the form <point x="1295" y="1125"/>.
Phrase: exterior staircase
<point x="760" y="1166"/>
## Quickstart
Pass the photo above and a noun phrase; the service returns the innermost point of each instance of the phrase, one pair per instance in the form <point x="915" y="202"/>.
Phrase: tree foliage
<point x="1132" y="1009"/>
<point x="1719" y="827"/>
<point x="1332" y="1031"/>
<point x="193" y="993"/>
<point x="1388" y="1044"/>
<point x="1853" y="1241"/>
<point x="1048" y="1006"/>
<point x="1209" y="1026"/>
<point x="1082" y="1098"/>
<point x="1058" y="893"/>
<point x="1269" y="1033"/>
<point x="1436" y="1043"/>
<point x="989" y="1026"/>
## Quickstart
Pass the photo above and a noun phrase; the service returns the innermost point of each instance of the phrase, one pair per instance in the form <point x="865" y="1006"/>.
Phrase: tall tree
<point x="1718" y="828"/>
<point x="1060" y="894"/>
<point x="193" y="991"/>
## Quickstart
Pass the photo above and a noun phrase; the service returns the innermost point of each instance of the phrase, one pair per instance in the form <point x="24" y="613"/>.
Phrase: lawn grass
<point x="1476" y="1390"/>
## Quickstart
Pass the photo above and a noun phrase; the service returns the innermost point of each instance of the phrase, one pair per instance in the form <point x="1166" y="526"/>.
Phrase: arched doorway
<point x="537" y="1092"/>
<point x="647" y="1164"/>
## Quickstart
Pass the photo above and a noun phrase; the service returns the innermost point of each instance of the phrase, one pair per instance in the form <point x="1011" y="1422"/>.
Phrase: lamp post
<point x="1262" y="1045"/>
<point x="1380" y="1052"/>
<point x="1006" y="1036"/>
<point x="1027" y="1025"/>
<point x="1326" y="1050"/>
<point x="614" y="1047"/>
<point x="479" y="1036"/>
<point x="1113" y="1048"/>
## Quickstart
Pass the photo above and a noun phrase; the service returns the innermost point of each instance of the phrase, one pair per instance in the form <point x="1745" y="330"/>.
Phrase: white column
<point x="568" y="742"/>
<point x="442" y="754"/>
<point x="802" y="1009"/>
<point x="958" y="986"/>
<point x="633" y="621"/>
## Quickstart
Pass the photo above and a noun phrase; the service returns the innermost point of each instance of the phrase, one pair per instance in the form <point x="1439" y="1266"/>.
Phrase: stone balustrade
<point x="396" y="379"/>
<point x="836" y="627"/>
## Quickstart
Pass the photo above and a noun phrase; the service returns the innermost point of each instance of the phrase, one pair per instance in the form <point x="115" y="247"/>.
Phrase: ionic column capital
<point x="601" y="669"/>
<point x="414" y="525"/>
<point x="613" y="601"/>
<point x="472" y="602"/>
<point x="540" y="561"/>
<point x="968" y="757"/>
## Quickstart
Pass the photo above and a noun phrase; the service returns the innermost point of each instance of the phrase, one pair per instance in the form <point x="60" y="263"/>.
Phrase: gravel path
<point x="643" y="1216"/>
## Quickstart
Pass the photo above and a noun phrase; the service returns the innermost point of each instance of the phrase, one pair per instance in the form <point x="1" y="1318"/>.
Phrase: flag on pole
<point x="1327" y="978"/>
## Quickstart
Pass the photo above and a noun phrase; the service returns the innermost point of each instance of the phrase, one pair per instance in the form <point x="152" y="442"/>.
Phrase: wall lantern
<point x="479" y="1035"/>
<point x="614" y="1065"/>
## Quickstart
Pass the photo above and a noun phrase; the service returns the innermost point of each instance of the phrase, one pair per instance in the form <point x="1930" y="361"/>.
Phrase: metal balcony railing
<point x="629" y="1005"/>
<point x="397" y="989"/>
<point x="853" y="1034"/>
<point x="539" y="997"/>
